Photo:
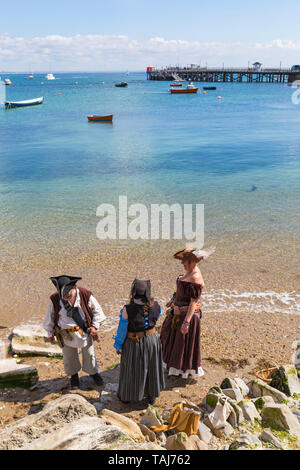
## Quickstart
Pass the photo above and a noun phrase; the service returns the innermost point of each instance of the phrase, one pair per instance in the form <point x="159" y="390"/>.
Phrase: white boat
<point x="30" y="76"/>
<point x="21" y="104"/>
<point x="50" y="76"/>
<point x="7" y="81"/>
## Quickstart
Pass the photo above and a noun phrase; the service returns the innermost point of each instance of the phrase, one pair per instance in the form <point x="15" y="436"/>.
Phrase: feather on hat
<point x="194" y="253"/>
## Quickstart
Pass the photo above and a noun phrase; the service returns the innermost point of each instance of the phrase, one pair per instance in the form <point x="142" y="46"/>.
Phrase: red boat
<point x="94" y="117"/>
<point x="184" y="90"/>
<point x="176" y="84"/>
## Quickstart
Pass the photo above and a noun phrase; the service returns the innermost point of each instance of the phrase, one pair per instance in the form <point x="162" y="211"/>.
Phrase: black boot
<point x="151" y="400"/>
<point x="74" y="381"/>
<point x="97" y="379"/>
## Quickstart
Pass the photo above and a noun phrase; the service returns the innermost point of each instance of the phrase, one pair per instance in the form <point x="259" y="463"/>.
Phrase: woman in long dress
<point x="180" y="334"/>
<point x="141" y="369"/>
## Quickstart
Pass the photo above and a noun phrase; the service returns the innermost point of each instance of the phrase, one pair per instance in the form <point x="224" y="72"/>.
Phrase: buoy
<point x="219" y="97"/>
<point x="76" y="83"/>
<point x="59" y="93"/>
<point x="42" y="83"/>
<point x="204" y="93"/>
<point x="138" y="83"/>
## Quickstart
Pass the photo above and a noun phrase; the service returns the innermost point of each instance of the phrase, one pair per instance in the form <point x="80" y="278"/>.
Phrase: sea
<point x="236" y="150"/>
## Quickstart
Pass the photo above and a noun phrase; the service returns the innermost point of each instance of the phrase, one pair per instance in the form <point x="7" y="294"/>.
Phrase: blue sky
<point x="146" y="33"/>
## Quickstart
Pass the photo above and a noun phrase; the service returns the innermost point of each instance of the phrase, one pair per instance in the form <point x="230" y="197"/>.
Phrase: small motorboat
<point x="21" y="104"/>
<point x="189" y="89"/>
<point x="30" y="76"/>
<point x="7" y="81"/>
<point x="121" y="84"/>
<point x="50" y="76"/>
<point x="176" y="84"/>
<point x="209" y="88"/>
<point x="97" y="118"/>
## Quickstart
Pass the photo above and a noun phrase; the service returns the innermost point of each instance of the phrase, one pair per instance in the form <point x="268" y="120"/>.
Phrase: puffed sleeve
<point x="195" y="291"/>
<point x="48" y="324"/>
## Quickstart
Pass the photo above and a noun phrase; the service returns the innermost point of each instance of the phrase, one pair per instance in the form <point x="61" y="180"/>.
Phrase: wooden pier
<point x="239" y="75"/>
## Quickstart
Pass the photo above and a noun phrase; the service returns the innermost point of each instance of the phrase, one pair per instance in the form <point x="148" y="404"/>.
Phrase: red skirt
<point x="181" y="353"/>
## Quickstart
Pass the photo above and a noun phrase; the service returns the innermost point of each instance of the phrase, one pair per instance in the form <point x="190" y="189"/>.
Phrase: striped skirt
<point x="141" y="369"/>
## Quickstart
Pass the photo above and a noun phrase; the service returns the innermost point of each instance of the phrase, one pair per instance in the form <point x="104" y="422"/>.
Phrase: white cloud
<point x="119" y="52"/>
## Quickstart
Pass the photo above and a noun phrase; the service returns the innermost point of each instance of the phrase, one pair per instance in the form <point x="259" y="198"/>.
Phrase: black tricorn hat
<point x="141" y="292"/>
<point x="64" y="284"/>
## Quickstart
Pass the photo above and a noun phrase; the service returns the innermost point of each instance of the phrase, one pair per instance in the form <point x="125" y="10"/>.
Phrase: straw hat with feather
<point x="194" y="254"/>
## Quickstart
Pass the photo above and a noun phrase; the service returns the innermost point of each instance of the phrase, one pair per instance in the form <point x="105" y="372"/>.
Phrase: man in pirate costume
<point x="73" y="317"/>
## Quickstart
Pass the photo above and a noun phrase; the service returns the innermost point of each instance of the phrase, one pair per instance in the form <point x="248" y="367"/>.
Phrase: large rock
<point x="235" y="383"/>
<point x="149" y="435"/>
<point x="246" y="441"/>
<point x="54" y="416"/>
<point x="233" y="393"/>
<point x="286" y="380"/>
<point x="14" y="375"/>
<point x="262" y="401"/>
<point x="236" y="416"/>
<point x="268" y="436"/>
<point x="282" y="416"/>
<point x="151" y="417"/>
<point x="33" y="340"/>
<point x="181" y="441"/>
<point x="125" y="424"/>
<point x="84" y="434"/>
<point x="204" y="433"/>
<point x="258" y="388"/>
<point x="249" y="410"/>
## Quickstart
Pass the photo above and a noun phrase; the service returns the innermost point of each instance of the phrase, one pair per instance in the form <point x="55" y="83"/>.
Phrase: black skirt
<point x="141" y="369"/>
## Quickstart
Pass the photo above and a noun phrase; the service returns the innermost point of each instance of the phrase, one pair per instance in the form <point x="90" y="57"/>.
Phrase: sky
<point x="116" y="35"/>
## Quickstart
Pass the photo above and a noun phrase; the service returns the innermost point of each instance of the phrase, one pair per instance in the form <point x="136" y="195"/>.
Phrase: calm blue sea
<point x="240" y="156"/>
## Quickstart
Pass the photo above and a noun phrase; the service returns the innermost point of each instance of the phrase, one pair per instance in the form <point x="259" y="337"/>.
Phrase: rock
<point x="109" y="387"/>
<point x="246" y="440"/>
<point x="161" y="437"/>
<point x="258" y="388"/>
<point x="54" y="415"/>
<point x="181" y="441"/>
<point x="262" y="401"/>
<point x="233" y="393"/>
<point x="33" y="340"/>
<point x="268" y="436"/>
<point x="229" y="383"/>
<point x="249" y="410"/>
<point x="151" y="417"/>
<point x="166" y="415"/>
<point x="297" y="414"/>
<point x="221" y="433"/>
<point x="134" y="446"/>
<point x="286" y="380"/>
<point x="14" y="375"/>
<point x="127" y="425"/>
<point x="106" y="397"/>
<point x="282" y="416"/>
<point x="236" y="416"/>
<point x="147" y="433"/>
<point x="98" y="406"/>
<point x="84" y="434"/>
<point x="204" y="433"/>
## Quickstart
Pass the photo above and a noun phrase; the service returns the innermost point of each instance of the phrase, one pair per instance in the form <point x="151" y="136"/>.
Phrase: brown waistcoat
<point x="84" y="295"/>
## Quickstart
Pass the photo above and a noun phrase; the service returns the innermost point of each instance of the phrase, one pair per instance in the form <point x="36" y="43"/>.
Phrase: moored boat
<point x="189" y="89"/>
<point x="209" y="88"/>
<point x="121" y="84"/>
<point x="7" y="81"/>
<point x="176" y="84"/>
<point x="22" y="104"/>
<point x="95" y="117"/>
<point x="30" y="76"/>
<point x="50" y="76"/>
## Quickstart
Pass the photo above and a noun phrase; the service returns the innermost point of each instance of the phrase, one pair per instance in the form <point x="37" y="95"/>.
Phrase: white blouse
<point x="64" y="321"/>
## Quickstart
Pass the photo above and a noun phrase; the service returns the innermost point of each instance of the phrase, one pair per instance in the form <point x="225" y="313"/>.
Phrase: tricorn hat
<point x="64" y="284"/>
<point x="141" y="292"/>
<point x="194" y="254"/>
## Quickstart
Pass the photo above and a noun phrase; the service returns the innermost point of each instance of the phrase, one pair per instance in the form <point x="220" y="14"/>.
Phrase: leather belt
<point x="140" y="334"/>
<point x="74" y="329"/>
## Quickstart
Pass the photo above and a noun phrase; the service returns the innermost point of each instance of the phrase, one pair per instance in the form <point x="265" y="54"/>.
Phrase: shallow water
<point x="239" y="156"/>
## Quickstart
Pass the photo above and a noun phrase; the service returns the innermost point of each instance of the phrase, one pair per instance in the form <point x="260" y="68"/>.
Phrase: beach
<point x="238" y="157"/>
